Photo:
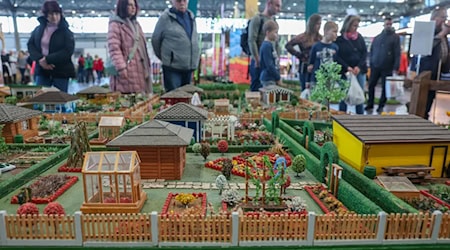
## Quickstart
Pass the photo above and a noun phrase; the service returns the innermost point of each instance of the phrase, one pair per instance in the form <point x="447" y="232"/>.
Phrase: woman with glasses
<point x="51" y="46"/>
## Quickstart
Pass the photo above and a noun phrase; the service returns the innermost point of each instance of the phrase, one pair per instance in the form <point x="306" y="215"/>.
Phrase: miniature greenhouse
<point x="112" y="182"/>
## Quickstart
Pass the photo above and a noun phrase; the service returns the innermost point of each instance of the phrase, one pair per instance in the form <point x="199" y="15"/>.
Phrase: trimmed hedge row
<point x="237" y="149"/>
<point x="355" y="200"/>
<point x="29" y="174"/>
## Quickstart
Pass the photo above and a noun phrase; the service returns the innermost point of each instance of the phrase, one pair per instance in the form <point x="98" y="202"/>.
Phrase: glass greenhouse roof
<point x="110" y="161"/>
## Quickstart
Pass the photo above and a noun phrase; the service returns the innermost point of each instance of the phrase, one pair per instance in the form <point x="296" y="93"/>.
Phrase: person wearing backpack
<point x="256" y="38"/>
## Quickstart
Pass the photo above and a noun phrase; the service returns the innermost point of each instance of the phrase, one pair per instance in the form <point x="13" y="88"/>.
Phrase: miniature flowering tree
<point x="197" y="148"/>
<point x="298" y="164"/>
<point x="54" y="208"/>
<point x="185" y="198"/>
<point x="221" y="182"/>
<point x="227" y="166"/>
<point x="27" y="208"/>
<point x="330" y="87"/>
<point x="222" y="146"/>
<point x="206" y="150"/>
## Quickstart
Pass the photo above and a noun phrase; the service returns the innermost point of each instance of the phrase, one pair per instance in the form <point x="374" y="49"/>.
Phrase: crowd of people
<point x="175" y="42"/>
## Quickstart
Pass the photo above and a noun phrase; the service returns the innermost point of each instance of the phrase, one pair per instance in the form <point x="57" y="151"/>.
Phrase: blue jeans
<point x="254" y="76"/>
<point x="60" y="83"/>
<point x="174" y="79"/>
<point x="304" y="75"/>
<point x="358" y="108"/>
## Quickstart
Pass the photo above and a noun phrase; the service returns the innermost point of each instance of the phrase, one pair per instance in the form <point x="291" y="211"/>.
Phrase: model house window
<point x="25" y="125"/>
<point x="50" y="107"/>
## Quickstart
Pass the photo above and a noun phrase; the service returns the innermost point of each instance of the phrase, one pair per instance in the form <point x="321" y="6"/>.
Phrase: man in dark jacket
<point x="431" y="62"/>
<point x="384" y="60"/>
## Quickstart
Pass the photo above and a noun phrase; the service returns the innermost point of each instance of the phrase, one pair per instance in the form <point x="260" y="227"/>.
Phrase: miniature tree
<point x="78" y="146"/>
<point x="227" y="166"/>
<point x="205" y="150"/>
<point x="330" y="87"/>
<point x="185" y="198"/>
<point x="54" y="208"/>
<point x="231" y="196"/>
<point x="197" y="148"/>
<point x="27" y="208"/>
<point x="221" y="182"/>
<point x="298" y="164"/>
<point x="222" y="146"/>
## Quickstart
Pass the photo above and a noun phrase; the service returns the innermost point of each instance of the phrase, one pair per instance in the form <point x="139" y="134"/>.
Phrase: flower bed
<point x="326" y="201"/>
<point x="267" y="213"/>
<point x="240" y="162"/>
<point x="54" y="194"/>
<point x="64" y="168"/>
<point x="174" y="207"/>
<point x="428" y="203"/>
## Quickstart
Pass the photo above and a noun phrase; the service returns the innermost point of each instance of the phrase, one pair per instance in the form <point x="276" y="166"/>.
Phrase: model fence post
<point x="436" y="226"/>
<point x="3" y="228"/>
<point x="154" y="227"/>
<point x="382" y="221"/>
<point x="235" y="229"/>
<point x="78" y="227"/>
<point x="311" y="228"/>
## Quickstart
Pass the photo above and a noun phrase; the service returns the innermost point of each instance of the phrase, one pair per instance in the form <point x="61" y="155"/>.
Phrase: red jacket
<point x="98" y="65"/>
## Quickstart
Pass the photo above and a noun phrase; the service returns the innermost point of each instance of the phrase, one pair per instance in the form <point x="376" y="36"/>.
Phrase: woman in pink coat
<point x="124" y="30"/>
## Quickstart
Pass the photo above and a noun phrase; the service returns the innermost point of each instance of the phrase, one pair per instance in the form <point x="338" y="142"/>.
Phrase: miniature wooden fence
<point x="195" y="228"/>
<point x="116" y="227"/>
<point x="273" y="228"/>
<point x="409" y="226"/>
<point x="346" y="227"/>
<point x="40" y="227"/>
<point x="444" y="232"/>
<point x="224" y="230"/>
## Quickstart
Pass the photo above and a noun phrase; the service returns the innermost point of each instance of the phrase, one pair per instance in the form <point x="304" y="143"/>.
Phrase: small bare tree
<point x="78" y="146"/>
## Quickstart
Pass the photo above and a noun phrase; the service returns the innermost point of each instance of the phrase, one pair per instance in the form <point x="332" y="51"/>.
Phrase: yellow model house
<point x="384" y="141"/>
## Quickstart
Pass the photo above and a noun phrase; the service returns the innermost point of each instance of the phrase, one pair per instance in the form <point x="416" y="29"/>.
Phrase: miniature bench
<point x="415" y="173"/>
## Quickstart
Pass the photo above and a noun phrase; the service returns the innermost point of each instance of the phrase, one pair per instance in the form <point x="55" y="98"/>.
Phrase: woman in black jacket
<point x="352" y="55"/>
<point x="51" y="45"/>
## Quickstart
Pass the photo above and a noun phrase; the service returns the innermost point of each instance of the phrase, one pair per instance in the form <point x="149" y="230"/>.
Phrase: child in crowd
<point x="324" y="51"/>
<point x="269" y="60"/>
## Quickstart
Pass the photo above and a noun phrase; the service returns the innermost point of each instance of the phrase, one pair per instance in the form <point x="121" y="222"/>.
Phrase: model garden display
<point x="255" y="175"/>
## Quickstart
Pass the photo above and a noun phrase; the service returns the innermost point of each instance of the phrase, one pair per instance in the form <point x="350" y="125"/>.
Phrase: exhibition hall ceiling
<point x="369" y="10"/>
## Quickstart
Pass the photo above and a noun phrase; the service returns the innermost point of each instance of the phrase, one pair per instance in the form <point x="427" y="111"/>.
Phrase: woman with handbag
<point x="128" y="51"/>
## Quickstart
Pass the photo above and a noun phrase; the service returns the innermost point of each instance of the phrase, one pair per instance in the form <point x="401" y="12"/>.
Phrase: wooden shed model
<point x="97" y="94"/>
<point x="52" y="100"/>
<point x="176" y="96"/>
<point x="109" y="126"/>
<point x="273" y="93"/>
<point x="112" y="182"/>
<point x="161" y="146"/>
<point x="388" y="141"/>
<point x="185" y="115"/>
<point x="18" y="121"/>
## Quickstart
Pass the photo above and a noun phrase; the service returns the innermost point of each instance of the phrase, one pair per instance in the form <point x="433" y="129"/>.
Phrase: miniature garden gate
<point x="112" y="182"/>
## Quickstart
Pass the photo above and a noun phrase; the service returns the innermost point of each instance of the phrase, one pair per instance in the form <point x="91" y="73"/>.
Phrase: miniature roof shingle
<point x="176" y="94"/>
<point x="154" y="133"/>
<point x="190" y="88"/>
<point x="94" y="90"/>
<point x="11" y="114"/>
<point x="392" y="128"/>
<point x="52" y="97"/>
<point x="276" y="89"/>
<point x="182" y="111"/>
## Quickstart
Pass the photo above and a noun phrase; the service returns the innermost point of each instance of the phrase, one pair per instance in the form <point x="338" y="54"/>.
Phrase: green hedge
<point x="237" y="149"/>
<point x="355" y="200"/>
<point x="32" y="172"/>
